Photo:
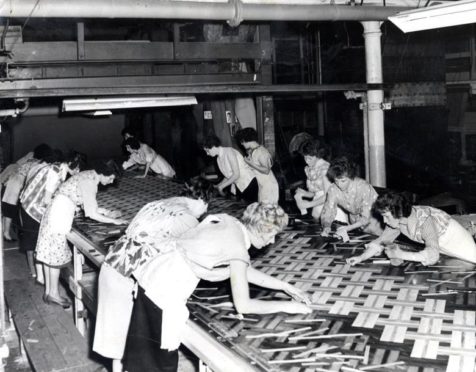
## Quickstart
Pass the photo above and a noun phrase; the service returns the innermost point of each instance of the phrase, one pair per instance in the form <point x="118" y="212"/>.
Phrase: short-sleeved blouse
<point x="154" y="223"/>
<point x="146" y="154"/>
<point x="72" y="187"/>
<point x="207" y="249"/>
<point x="316" y="176"/>
<point x="224" y="163"/>
<point x="16" y="181"/>
<point x="414" y="229"/>
<point x="204" y="252"/>
<point x="357" y="200"/>
<point x="268" y="191"/>
<point x="42" y="179"/>
<point x="215" y="242"/>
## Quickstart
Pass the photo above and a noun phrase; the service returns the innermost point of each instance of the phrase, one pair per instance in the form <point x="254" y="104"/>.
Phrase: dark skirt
<point x="10" y="211"/>
<point x="143" y="352"/>
<point x="250" y="194"/>
<point x="29" y="229"/>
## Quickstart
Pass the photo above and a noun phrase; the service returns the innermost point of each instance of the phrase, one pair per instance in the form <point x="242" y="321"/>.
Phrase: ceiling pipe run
<point x="233" y="11"/>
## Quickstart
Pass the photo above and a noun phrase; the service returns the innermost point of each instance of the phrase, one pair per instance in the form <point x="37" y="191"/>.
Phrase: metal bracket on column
<point x="377" y="106"/>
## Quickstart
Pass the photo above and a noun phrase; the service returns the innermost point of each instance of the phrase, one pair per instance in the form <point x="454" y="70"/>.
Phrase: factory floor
<point x="15" y="267"/>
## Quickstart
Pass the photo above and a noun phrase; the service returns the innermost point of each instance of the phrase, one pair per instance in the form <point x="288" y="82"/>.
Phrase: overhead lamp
<point x="100" y="104"/>
<point x="436" y="16"/>
<point x="98" y="113"/>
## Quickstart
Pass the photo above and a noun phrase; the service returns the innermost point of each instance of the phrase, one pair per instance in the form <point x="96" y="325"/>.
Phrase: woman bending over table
<point x="156" y="222"/>
<point x="215" y="250"/>
<point x="354" y="195"/>
<point x="433" y="227"/>
<point x="52" y="248"/>
<point x="236" y="173"/>
<point x="260" y="161"/>
<point x="42" y="181"/>
<point x="14" y="179"/>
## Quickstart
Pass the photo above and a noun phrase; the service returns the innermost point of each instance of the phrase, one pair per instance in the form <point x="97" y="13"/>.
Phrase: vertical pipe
<point x="260" y="119"/>
<point x="376" y="135"/>
<point x="2" y="288"/>
<point x="80" y="40"/>
<point x="301" y="57"/>
<point x="472" y="53"/>
<point x="366" y="136"/>
<point x="320" y="96"/>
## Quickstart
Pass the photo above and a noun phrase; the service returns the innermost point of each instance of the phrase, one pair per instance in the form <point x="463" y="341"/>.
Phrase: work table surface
<point x="409" y="318"/>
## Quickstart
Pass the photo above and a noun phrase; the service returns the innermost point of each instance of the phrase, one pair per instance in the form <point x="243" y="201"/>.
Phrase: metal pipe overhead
<point x="22" y="92"/>
<point x="233" y="11"/>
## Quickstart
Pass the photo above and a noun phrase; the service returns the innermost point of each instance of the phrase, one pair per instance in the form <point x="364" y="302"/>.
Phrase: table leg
<point x="78" y="260"/>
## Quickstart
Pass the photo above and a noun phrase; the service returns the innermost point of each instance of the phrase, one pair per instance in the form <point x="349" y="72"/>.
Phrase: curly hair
<point x="133" y="143"/>
<point x="211" y="141"/>
<point x="396" y="203"/>
<point x="42" y="152"/>
<point x="316" y="148"/>
<point x="106" y="168"/>
<point x="76" y="159"/>
<point x="199" y="188"/>
<point x="341" y="167"/>
<point x="264" y="217"/>
<point x="246" y="135"/>
<point x="129" y="131"/>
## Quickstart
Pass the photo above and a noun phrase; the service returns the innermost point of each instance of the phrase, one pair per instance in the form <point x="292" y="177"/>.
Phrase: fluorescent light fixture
<point x="437" y="16"/>
<point x="98" y="113"/>
<point x="98" y="104"/>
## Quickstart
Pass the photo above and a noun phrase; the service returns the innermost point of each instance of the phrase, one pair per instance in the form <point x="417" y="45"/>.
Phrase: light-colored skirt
<point x="268" y="188"/>
<point x="458" y="242"/>
<point x="115" y="302"/>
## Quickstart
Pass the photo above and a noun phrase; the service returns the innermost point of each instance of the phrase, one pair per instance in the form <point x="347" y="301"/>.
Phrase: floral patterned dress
<point x="316" y="177"/>
<point x="267" y="183"/>
<point x="357" y="200"/>
<point x="52" y="248"/>
<point x="155" y="223"/>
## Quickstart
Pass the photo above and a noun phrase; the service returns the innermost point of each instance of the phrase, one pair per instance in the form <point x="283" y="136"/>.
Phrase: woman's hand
<point x="297" y="294"/>
<point x="114" y="214"/>
<point x="294" y="307"/>
<point x="326" y="231"/>
<point x="220" y="190"/>
<point x="353" y="260"/>
<point x="342" y="232"/>
<point x="300" y="191"/>
<point x="109" y="213"/>
<point x="119" y="221"/>
<point x="395" y="254"/>
<point x="393" y="251"/>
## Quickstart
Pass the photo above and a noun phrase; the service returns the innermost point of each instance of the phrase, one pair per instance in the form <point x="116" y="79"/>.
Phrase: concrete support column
<point x="376" y="137"/>
<point x="265" y="123"/>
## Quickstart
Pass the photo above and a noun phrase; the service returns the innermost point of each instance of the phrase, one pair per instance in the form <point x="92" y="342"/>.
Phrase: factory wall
<point x="95" y="137"/>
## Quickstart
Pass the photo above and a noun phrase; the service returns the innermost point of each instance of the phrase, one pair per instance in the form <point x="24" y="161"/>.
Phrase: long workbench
<point x="368" y="317"/>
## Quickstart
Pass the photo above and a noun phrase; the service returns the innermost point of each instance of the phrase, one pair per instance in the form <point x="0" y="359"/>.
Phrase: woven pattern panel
<point x="366" y="317"/>
<point x="129" y="195"/>
<point x="371" y="316"/>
